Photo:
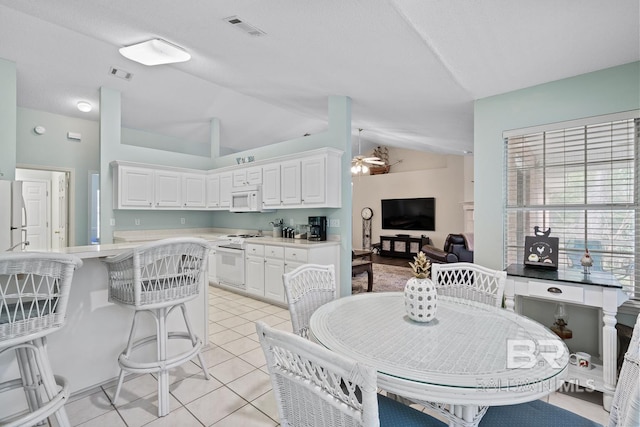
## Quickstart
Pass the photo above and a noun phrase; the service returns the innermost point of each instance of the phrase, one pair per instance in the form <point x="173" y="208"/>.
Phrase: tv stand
<point x="402" y="245"/>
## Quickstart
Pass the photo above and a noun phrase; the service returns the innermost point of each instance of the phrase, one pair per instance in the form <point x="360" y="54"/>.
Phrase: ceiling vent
<point x="120" y="73"/>
<point x="247" y="28"/>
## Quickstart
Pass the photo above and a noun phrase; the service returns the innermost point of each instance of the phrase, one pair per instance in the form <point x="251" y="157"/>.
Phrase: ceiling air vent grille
<point x="247" y="28"/>
<point x="120" y="73"/>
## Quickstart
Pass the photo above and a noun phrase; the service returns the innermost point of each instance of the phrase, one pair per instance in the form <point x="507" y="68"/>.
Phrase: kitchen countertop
<point x="131" y="239"/>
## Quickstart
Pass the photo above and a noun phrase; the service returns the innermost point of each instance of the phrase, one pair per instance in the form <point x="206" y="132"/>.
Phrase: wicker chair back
<point x="469" y="282"/>
<point x="625" y="407"/>
<point x="34" y="291"/>
<point x="307" y="288"/>
<point x="158" y="274"/>
<point x="316" y="387"/>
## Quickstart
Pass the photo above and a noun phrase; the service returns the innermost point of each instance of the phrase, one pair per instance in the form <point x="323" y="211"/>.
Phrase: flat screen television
<point x="409" y="214"/>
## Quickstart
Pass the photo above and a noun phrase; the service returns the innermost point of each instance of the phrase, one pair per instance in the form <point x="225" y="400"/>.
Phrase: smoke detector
<point x="244" y="26"/>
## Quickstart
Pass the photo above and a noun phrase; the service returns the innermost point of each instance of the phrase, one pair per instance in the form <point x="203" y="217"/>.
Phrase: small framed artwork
<point x="541" y="251"/>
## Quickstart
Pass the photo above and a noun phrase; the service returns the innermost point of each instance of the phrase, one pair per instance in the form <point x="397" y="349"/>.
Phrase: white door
<point x="59" y="238"/>
<point x="35" y="194"/>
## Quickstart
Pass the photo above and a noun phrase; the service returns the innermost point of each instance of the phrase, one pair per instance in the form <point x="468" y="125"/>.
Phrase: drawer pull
<point x="554" y="290"/>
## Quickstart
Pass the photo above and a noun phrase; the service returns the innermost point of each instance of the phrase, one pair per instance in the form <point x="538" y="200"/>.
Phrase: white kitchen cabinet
<point x="213" y="191"/>
<point x="226" y="183"/>
<point x="133" y="188"/>
<point x="193" y="191"/>
<point x="271" y="185"/>
<point x="168" y="186"/>
<point x="247" y="176"/>
<point x="273" y="271"/>
<point x="211" y="267"/>
<point x="254" y="269"/>
<point x="314" y="180"/>
<point x="219" y="190"/>
<point x="301" y="180"/>
<point x="290" y="183"/>
<point x="264" y="266"/>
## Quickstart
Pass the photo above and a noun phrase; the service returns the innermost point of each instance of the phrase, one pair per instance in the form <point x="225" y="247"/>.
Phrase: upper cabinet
<point x="138" y="186"/>
<point x="168" y="189"/>
<point x="301" y="180"/>
<point x="247" y="176"/>
<point x="133" y="188"/>
<point x="194" y="190"/>
<point x="311" y="180"/>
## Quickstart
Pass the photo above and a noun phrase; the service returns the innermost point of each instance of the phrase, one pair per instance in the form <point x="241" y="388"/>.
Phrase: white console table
<point x="598" y="289"/>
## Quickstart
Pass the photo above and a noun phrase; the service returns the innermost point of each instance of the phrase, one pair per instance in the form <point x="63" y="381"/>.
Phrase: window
<point x="581" y="180"/>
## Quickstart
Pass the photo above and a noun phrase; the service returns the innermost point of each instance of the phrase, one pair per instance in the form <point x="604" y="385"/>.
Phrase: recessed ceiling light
<point x="85" y="107"/>
<point x="155" y="52"/>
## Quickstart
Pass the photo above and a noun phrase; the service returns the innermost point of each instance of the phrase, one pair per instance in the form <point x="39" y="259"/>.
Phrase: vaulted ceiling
<point x="412" y="68"/>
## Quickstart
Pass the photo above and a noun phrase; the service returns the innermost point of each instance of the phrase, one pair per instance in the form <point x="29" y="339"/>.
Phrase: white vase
<point x="420" y="299"/>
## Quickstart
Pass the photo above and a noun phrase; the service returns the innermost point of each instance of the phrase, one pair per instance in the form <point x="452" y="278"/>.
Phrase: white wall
<point x="418" y="175"/>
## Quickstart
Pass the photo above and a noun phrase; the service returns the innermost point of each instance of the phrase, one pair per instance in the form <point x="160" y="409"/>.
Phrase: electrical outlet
<point x="182" y="221"/>
<point x="112" y="222"/>
<point x="292" y="222"/>
<point x="137" y="221"/>
<point x="334" y="223"/>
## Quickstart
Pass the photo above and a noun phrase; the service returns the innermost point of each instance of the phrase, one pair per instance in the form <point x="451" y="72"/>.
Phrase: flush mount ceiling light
<point x="155" y="52"/>
<point x="84" y="106"/>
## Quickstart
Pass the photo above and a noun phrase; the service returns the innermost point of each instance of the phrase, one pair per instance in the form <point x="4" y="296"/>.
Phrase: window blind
<point x="582" y="182"/>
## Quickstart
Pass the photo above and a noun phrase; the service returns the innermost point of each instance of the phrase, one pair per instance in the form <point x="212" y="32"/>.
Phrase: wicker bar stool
<point x="157" y="278"/>
<point x="34" y="291"/>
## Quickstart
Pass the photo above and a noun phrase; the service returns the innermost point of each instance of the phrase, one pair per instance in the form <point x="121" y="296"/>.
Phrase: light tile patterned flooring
<point x="239" y="392"/>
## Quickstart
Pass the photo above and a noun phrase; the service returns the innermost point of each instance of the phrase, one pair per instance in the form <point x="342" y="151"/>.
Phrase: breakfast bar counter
<point x="85" y="351"/>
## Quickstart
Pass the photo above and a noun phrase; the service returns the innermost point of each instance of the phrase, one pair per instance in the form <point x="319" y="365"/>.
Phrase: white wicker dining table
<point x="470" y="357"/>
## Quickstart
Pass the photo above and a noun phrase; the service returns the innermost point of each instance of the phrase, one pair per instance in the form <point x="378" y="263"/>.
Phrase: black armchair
<point x="457" y="248"/>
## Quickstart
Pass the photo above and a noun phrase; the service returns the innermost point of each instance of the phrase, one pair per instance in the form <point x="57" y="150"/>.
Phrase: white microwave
<point x="246" y="199"/>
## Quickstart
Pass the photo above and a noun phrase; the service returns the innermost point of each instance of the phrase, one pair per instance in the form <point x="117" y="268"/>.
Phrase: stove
<point x="230" y="260"/>
<point x="237" y="241"/>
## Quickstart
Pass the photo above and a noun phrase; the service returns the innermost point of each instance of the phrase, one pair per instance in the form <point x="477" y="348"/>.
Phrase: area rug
<point x="386" y="278"/>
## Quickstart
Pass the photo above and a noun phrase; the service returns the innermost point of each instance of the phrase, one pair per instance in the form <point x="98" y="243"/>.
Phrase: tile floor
<point x="239" y="392"/>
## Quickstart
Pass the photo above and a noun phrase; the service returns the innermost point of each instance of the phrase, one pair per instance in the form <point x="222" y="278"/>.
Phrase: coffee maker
<point x="317" y="228"/>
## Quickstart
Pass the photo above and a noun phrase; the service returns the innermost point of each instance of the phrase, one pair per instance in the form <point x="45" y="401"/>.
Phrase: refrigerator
<point x="13" y="217"/>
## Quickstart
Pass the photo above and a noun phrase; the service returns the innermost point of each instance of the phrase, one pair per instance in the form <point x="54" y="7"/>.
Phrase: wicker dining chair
<point x="625" y="408"/>
<point x="157" y="278"/>
<point x="317" y="387"/>
<point x="307" y="288"/>
<point x="469" y="282"/>
<point x="34" y="292"/>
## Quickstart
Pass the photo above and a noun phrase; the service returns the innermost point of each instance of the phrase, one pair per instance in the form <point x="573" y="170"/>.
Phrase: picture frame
<point x="541" y="251"/>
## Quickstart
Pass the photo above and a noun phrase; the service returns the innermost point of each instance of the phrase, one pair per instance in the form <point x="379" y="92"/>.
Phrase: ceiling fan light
<point x="155" y="52"/>
<point x="354" y="169"/>
<point x="365" y="169"/>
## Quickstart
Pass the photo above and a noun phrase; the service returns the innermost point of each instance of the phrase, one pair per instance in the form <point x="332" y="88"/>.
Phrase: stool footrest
<point x="159" y="365"/>
<point x="43" y="412"/>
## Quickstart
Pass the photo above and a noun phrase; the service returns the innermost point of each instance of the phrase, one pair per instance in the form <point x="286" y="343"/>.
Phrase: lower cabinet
<point x="265" y="265"/>
<point x="273" y="271"/>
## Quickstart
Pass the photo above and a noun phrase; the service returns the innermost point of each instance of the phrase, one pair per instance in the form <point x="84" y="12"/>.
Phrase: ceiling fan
<point x="359" y="164"/>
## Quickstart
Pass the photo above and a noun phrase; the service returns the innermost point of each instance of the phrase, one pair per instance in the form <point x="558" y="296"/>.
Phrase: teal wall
<point x="602" y="92"/>
<point x="7" y="119"/>
<point x="53" y="149"/>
